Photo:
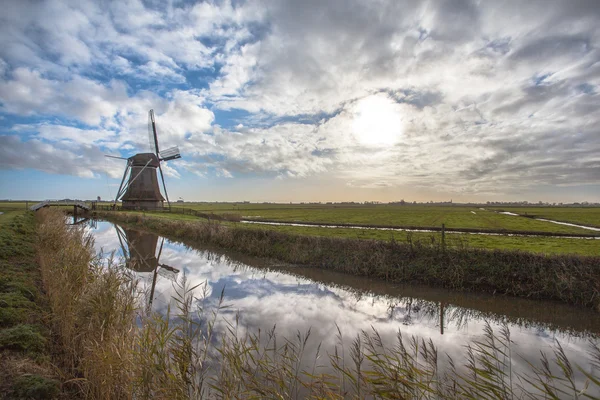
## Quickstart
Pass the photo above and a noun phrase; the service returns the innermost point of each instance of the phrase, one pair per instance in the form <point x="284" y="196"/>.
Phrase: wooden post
<point x="74" y="214"/>
<point x="444" y="237"/>
<point x="26" y="205"/>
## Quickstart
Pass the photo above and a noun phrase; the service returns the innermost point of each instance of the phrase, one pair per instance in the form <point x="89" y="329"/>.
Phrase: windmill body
<point x="143" y="191"/>
<point x="139" y="187"/>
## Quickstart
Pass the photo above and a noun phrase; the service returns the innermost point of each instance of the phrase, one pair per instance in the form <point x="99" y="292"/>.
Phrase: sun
<point x="376" y="121"/>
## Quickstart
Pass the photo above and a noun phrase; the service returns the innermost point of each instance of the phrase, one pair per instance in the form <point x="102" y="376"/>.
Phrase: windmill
<point x="141" y="191"/>
<point x="139" y="250"/>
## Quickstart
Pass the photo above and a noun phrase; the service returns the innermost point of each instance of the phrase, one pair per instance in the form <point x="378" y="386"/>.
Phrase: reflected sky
<point x="296" y="299"/>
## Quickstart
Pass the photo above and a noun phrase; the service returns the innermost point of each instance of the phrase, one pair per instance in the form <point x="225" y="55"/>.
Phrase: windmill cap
<point x="140" y="159"/>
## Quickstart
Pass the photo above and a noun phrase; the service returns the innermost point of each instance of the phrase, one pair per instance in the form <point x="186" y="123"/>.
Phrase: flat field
<point x="424" y="216"/>
<point x="545" y="245"/>
<point x="589" y="216"/>
<point x="453" y="216"/>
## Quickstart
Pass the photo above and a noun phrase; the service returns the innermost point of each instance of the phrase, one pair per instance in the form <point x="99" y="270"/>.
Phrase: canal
<point x="262" y="294"/>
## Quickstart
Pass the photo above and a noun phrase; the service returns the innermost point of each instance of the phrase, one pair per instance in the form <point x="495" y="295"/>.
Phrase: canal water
<point x="293" y="299"/>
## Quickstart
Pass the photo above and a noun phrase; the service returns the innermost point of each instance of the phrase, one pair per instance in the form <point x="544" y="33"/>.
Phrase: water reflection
<point x="293" y="299"/>
<point x="139" y="250"/>
<point x="77" y="220"/>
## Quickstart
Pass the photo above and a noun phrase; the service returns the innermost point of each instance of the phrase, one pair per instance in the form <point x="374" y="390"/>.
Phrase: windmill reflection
<point x="90" y="222"/>
<point x="139" y="249"/>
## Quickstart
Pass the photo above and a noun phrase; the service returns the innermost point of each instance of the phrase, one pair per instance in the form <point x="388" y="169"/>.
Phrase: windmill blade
<point x="160" y="250"/>
<point x="162" y="177"/>
<point x="118" y="158"/>
<point x="151" y="298"/>
<point x="169" y="272"/>
<point x="151" y="146"/>
<point x="152" y="132"/>
<point x="170" y="154"/>
<point x="130" y="181"/>
<point x="122" y="238"/>
<point x="122" y="181"/>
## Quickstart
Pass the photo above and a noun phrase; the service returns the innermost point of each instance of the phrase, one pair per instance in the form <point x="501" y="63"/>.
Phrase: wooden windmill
<point x="141" y="190"/>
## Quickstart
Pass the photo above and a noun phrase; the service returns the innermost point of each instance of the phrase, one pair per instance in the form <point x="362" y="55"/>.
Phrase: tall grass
<point x="571" y="279"/>
<point x="93" y="308"/>
<point x="119" y="349"/>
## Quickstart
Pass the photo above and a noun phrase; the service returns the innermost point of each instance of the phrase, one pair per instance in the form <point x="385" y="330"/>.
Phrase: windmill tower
<point x="141" y="191"/>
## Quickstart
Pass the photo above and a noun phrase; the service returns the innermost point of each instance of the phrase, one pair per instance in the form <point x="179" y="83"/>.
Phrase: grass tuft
<point x="22" y="337"/>
<point x="35" y="387"/>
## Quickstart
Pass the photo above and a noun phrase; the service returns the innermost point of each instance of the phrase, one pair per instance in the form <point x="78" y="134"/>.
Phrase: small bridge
<point x="48" y="203"/>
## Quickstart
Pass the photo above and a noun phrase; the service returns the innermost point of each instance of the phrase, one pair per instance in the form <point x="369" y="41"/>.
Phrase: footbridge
<point x="75" y="203"/>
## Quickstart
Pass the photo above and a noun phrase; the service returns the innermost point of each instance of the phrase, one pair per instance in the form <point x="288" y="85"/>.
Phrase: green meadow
<point x="454" y="217"/>
<point x="540" y="244"/>
<point x="589" y="216"/>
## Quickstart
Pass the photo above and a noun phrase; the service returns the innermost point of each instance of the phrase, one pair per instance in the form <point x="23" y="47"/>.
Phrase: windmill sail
<point x="152" y="130"/>
<point x="170" y="154"/>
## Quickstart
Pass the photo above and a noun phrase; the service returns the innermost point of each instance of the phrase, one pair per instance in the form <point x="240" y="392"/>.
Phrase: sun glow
<point x="377" y="121"/>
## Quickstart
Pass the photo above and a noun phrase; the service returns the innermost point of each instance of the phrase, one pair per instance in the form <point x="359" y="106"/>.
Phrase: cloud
<point x="28" y="93"/>
<point x="82" y="161"/>
<point x="456" y="95"/>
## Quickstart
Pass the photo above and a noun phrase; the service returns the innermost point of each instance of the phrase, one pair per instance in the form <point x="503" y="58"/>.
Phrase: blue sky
<point x="304" y="101"/>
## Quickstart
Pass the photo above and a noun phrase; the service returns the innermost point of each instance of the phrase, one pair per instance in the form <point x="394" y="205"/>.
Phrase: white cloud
<point x="462" y="96"/>
<point x="28" y="93"/>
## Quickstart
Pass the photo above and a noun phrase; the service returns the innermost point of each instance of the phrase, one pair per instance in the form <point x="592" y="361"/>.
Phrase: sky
<point x="336" y="100"/>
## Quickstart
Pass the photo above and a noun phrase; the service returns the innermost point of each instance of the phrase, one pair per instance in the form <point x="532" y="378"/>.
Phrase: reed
<point x="570" y="279"/>
<point x="120" y="349"/>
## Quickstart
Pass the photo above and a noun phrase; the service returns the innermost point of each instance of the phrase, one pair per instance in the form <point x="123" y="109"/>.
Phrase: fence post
<point x="444" y="237"/>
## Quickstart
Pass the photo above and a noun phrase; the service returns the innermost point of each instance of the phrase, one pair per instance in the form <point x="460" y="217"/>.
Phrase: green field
<point x="589" y="216"/>
<point x="14" y="206"/>
<point x="394" y="215"/>
<point x="545" y="245"/>
<point x="454" y="216"/>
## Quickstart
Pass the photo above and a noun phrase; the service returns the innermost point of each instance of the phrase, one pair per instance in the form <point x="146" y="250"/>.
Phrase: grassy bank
<point x="570" y="279"/>
<point x="26" y="370"/>
<point x="120" y="350"/>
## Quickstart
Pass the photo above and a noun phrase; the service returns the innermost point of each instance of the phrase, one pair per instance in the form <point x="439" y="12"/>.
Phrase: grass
<point x="454" y="217"/>
<point x="122" y="350"/>
<point x="36" y="387"/>
<point x="25" y="338"/>
<point x="419" y="215"/>
<point x="567" y="278"/>
<point x="588" y="216"/>
<point x="543" y="245"/>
